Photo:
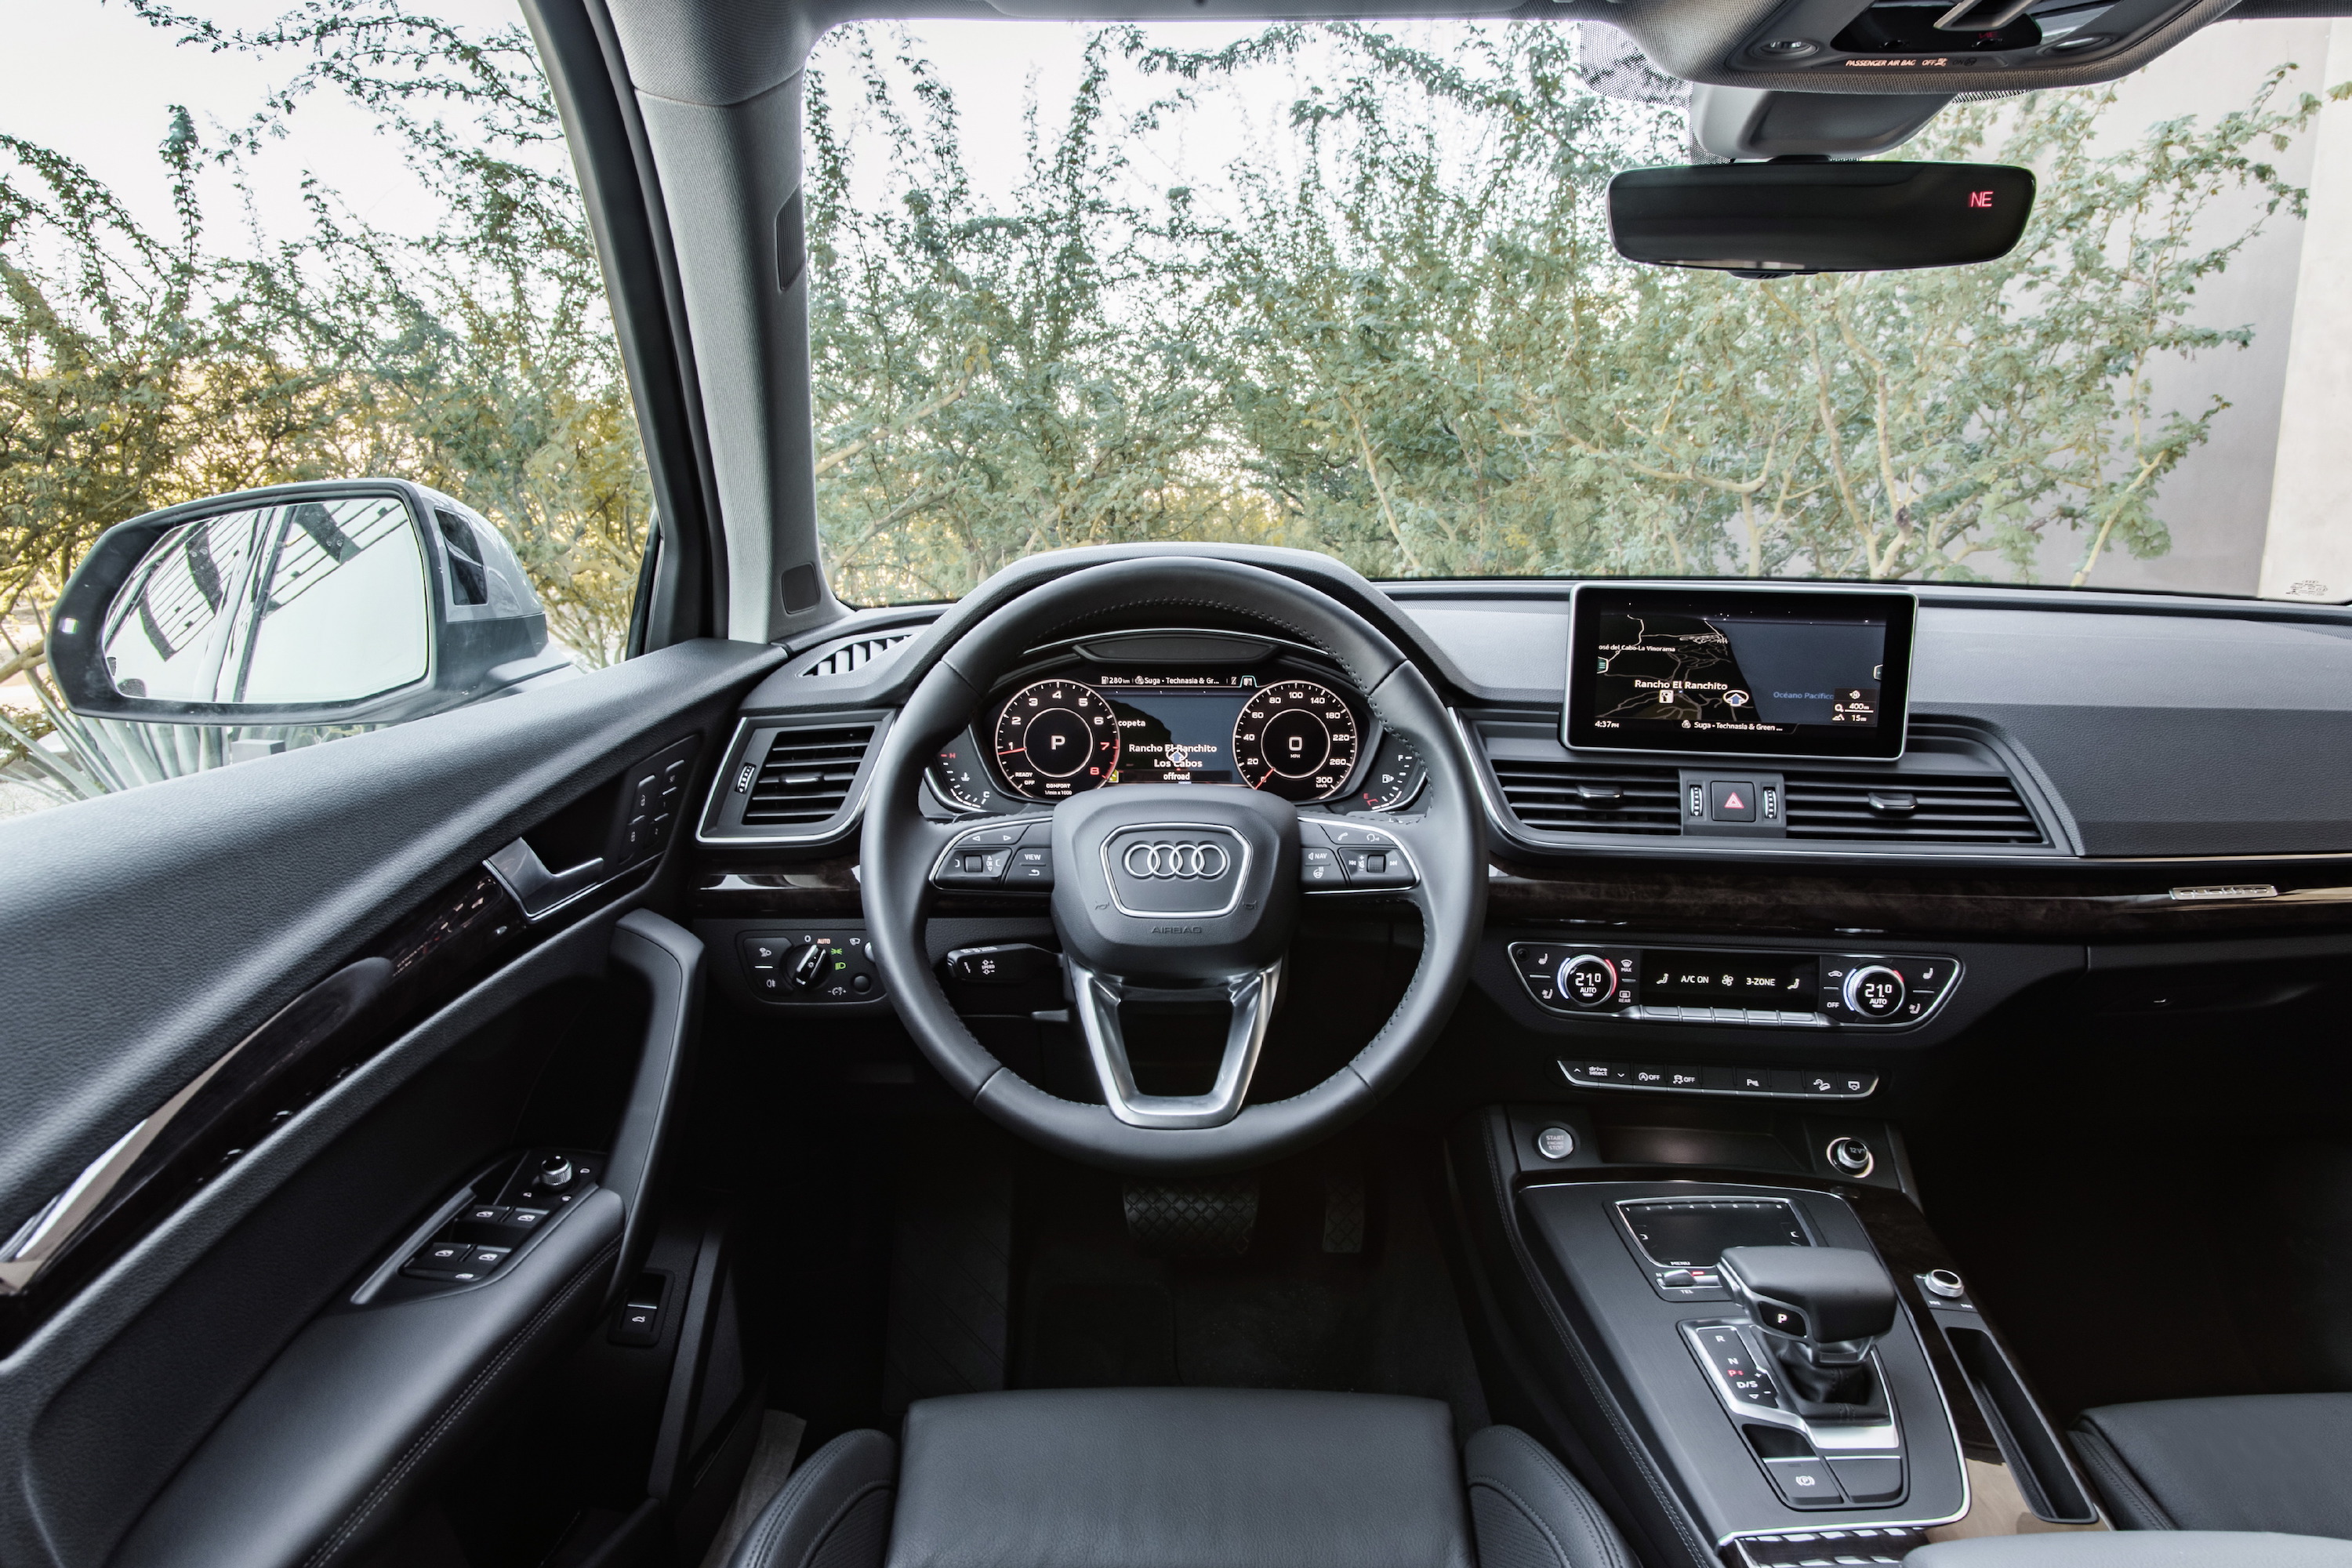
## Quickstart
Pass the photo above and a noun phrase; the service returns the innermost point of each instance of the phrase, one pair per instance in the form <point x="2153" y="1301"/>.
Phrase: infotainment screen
<point x="1740" y="671"/>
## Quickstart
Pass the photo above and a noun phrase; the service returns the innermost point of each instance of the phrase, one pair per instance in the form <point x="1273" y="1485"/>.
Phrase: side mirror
<point x="348" y="602"/>
<point x="1774" y="220"/>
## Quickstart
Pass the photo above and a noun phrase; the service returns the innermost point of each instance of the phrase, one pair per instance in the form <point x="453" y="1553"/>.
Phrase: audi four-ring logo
<point x="1186" y="862"/>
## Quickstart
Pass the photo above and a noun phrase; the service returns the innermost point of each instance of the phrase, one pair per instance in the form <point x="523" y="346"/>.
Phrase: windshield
<point x="1350" y="288"/>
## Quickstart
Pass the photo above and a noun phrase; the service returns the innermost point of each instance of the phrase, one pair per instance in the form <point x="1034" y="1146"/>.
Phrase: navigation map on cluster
<point x="1735" y="673"/>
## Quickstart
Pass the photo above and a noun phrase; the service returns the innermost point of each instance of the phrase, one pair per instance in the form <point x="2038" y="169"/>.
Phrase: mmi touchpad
<point x="1691" y="1233"/>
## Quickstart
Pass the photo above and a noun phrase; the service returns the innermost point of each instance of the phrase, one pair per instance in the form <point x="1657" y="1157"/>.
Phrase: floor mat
<point x="1295" y="1312"/>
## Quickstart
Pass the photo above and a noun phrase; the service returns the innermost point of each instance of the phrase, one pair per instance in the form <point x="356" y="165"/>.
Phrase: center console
<point x="1758" y="1413"/>
<point x="1775" y="1368"/>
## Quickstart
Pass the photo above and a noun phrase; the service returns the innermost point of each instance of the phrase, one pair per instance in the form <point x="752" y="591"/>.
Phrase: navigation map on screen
<point x="1674" y="673"/>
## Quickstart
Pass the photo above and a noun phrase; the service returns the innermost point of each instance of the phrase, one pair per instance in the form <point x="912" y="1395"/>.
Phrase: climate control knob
<point x="1588" y="980"/>
<point x="1874" y="991"/>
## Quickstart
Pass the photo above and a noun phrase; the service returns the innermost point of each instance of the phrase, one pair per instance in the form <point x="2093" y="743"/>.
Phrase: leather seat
<point x="2274" y="1462"/>
<point x="1182" y="1478"/>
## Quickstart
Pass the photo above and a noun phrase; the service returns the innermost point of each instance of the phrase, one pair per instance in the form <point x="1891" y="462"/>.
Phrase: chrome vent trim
<point x="844" y="656"/>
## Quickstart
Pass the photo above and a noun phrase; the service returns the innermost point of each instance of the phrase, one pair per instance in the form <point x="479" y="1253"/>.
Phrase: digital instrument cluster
<point x="1290" y="734"/>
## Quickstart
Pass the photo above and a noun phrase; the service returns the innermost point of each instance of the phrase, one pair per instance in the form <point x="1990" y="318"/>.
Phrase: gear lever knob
<point x="1828" y="1302"/>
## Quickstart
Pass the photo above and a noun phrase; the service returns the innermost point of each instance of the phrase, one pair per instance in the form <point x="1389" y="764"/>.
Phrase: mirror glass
<point x="310" y="601"/>
<point x="1770" y="220"/>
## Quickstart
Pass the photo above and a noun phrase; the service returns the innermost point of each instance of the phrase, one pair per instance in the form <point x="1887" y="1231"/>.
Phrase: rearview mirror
<point x="1774" y="220"/>
<point x="352" y="602"/>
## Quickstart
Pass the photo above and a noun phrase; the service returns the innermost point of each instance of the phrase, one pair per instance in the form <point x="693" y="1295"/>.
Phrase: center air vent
<point x="1590" y="797"/>
<point x="1915" y="807"/>
<point x="806" y="776"/>
<point x="842" y="658"/>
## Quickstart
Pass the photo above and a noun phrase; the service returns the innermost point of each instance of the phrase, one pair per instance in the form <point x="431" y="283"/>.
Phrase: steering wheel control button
<point x="1362" y="857"/>
<point x="801" y="967"/>
<point x="1032" y="866"/>
<point x="1588" y="980"/>
<point x="1555" y="1142"/>
<point x="1015" y="855"/>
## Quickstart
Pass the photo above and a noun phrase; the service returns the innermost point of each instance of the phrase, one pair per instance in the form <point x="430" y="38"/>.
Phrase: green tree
<point x="1413" y="346"/>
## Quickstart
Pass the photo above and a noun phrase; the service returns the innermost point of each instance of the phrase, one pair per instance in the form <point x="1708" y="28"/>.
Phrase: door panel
<point x="150" y="932"/>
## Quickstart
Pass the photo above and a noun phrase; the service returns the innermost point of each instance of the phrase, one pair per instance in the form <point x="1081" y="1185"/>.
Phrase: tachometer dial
<point x="1296" y="739"/>
<point x="1055" y="738"/>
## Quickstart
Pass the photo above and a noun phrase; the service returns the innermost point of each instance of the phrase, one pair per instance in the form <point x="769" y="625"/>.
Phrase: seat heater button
<point x="1804" y="1483"/>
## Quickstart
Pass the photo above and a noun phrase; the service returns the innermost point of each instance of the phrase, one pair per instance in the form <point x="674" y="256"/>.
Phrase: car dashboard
<point x="2104" y="806"/>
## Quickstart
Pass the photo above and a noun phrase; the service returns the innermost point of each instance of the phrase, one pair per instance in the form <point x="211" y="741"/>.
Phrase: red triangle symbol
<point x="1733" y="803"/>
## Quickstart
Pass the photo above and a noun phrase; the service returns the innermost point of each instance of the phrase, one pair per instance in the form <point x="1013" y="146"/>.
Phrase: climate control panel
<point x="1779" y="987"/>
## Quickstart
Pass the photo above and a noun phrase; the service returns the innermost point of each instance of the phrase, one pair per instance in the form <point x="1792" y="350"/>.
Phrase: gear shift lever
<point x="1822" y="1309"/>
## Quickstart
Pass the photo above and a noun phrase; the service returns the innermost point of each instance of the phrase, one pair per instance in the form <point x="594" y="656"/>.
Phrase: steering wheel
<point x="1168" y="890"/>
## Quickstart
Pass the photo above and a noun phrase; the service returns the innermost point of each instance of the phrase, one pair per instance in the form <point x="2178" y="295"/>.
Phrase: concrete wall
<point x="2218" y="504"/>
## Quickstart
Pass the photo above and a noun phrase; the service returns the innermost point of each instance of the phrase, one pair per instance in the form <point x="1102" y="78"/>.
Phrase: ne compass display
<point x="1296" y="738"/>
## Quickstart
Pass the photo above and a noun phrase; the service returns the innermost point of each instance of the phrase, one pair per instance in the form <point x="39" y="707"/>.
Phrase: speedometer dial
<point x="1296" y="739"/>
<point x="1055" y="738"/>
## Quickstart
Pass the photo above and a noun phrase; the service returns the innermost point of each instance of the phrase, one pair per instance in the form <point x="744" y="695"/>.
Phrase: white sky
<point x="96" y="83"/>
<point x="92" y="80"/>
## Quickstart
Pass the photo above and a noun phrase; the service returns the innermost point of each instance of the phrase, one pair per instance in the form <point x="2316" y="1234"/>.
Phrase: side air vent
<point x="1914" y="807"/>
<point x="806" y="776"/>
<point x="1590" y="797"/>
<point x="842" y="658"/>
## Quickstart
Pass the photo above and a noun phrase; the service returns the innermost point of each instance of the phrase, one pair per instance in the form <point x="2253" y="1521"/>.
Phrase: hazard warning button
<point x="1731" y="800"/>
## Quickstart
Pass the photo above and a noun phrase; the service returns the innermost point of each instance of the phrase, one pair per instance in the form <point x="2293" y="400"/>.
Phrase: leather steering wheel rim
<point x="899" y="846"/>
